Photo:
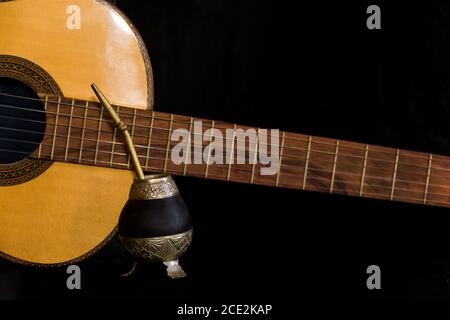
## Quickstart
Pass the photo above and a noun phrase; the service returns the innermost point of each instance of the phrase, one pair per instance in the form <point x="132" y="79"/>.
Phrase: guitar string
<point x="218" y="127"/>
<point x="162" y="119"/>
<point x="194" y="134"/>
<point x="317" y="179"/>
<point x="140" y="126"/>
<point x="285" y="156"/>
<point x="333" y="144"/>
<point x="247" y="171"/>
<point x="110" y="122"/>
<point x="286" y="147"/>
<point x="164" y="129"/>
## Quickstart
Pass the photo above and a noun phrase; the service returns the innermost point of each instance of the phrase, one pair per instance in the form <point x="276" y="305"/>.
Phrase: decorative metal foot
<point x="174" y="270"/>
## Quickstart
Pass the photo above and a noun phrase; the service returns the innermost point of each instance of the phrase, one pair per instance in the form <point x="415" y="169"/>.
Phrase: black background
<point x="305" y="66"/>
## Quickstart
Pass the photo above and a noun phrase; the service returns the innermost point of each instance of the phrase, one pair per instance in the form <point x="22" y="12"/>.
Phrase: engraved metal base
<point x="167" y="248"/>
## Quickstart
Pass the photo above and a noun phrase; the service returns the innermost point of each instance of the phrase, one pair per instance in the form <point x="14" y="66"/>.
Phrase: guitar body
<point x="56" y="213"/>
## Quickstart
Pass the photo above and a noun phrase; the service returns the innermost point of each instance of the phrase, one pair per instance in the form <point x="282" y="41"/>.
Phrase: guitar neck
<point x="80" y="132"/>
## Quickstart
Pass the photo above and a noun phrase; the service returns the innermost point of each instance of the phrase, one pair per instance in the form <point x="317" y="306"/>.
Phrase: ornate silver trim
<point x="153" y="187"/>
<point x="167" y="248"/>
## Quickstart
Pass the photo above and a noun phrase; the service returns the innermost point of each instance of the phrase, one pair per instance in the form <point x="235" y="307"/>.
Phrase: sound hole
<point x="22" y="121"/>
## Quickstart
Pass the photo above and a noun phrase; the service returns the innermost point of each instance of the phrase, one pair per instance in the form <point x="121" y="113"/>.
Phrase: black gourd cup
<point x="155" y="224"/>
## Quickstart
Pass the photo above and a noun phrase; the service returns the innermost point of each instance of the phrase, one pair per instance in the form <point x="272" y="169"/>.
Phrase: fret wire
<point x="114" y="139"/>
<point x="188" y="153"/>
<point x="83" y="131"/>
<point x="45" y="103"/>
<point x="54" y="129"/>
<point x="395" y="174"/>
<point x="98" y="135"/>
<point x="281" y="159"/>
<point x="307" y="162"/>
<point x="149" y="141"/>
<point x="168" y="143"/>
<point x="132" y="134"/>
<point x="364" y="170"/>
<point x="231" y="160"/>
<point x="209" y="150"/>
<point x="68" y="131"/>
<point x="428" y="179"/>
<point x="40" y="145"/>
<point x="334" y="165"/>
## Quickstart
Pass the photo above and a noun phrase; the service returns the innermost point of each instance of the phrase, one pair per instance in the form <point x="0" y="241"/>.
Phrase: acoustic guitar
<point x="65" y="173"/>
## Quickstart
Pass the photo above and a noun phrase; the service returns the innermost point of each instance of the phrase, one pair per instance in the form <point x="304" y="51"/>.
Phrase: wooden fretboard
<point x="85" y="135"/>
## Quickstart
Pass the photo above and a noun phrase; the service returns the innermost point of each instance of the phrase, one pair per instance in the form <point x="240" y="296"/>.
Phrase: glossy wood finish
<point x="70" y="209"/>
<point x="104" y="50"/>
